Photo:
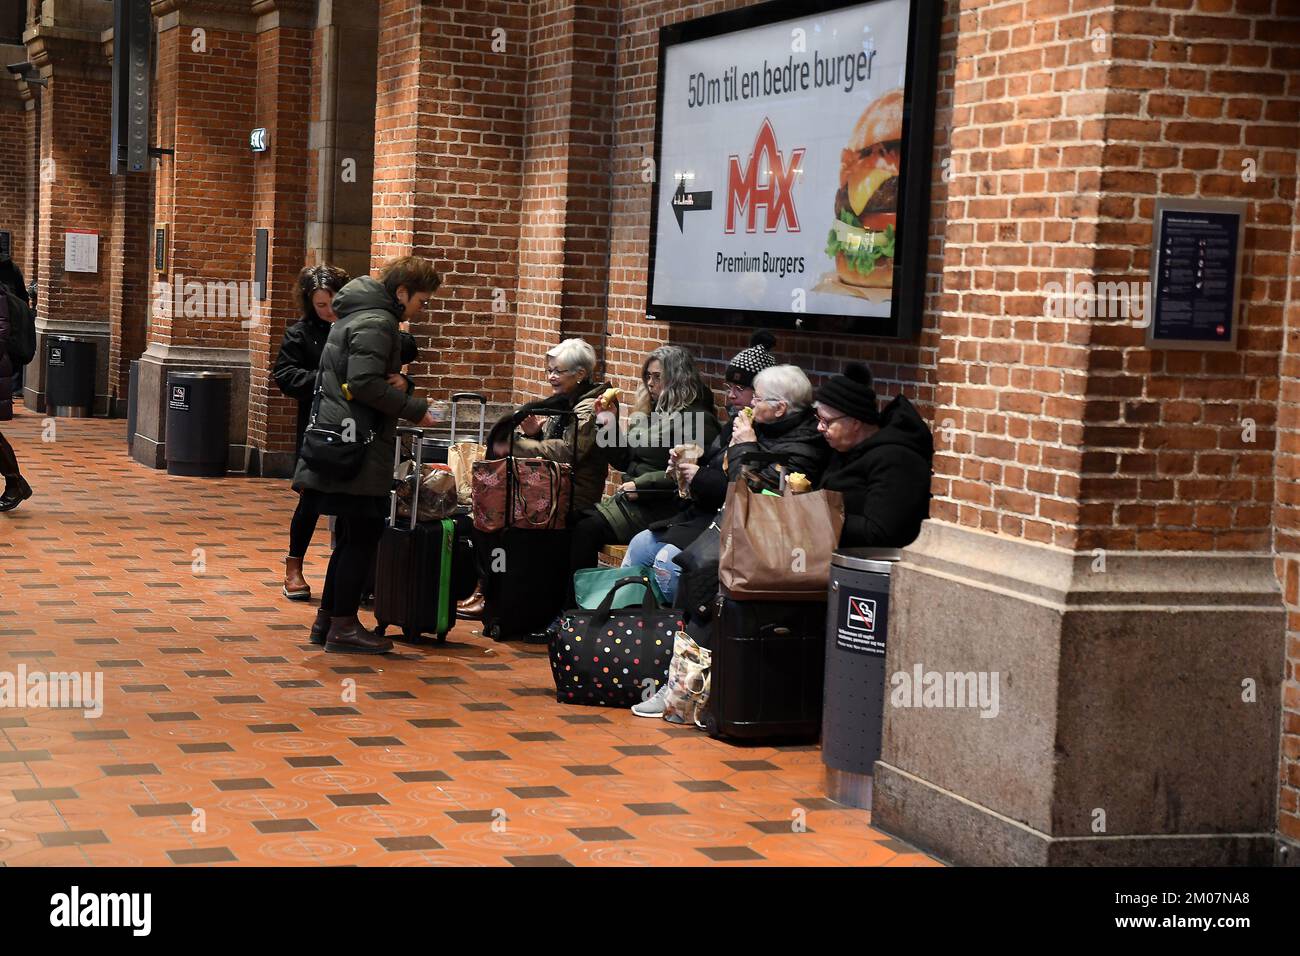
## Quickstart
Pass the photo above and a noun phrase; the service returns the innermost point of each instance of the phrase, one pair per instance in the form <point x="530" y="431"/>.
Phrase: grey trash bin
<point x="857" y="622"/>
<point x="70" y="377"/>
<point x="198" y="423"/>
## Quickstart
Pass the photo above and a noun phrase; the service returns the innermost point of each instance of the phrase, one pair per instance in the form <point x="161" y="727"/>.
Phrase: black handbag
<point x="331" y="450"/>
<point x="610" y="658"/>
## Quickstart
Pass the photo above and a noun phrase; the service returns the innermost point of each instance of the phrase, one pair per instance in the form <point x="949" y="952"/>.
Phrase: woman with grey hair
<point x="673" y="406"/>
<point x="571" y="371"/>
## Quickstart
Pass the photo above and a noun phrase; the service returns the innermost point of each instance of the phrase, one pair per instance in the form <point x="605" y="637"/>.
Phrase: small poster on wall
<point x="81" y="250"/>
<point x="6" y="244"/>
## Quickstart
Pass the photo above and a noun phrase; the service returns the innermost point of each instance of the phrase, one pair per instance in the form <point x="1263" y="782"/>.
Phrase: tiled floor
<point x="227" y="738"/>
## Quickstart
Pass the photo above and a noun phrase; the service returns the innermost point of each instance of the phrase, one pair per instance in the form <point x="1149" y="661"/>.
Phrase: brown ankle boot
<point x="296" y="587"/>
<point x="471" y="609"/>
<point x="347" y="635"/>
<point x="320" y="627"/>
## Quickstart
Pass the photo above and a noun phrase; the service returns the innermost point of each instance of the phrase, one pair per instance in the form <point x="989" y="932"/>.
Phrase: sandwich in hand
<point x="798" y="483"/>
<point x="866" y="206"/>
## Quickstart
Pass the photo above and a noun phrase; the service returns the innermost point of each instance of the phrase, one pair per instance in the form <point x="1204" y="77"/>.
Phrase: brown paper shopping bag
<point x="778" y="548"/>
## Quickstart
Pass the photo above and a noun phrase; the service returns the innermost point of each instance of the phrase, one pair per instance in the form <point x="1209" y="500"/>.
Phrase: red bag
<point x="536" y="491"/>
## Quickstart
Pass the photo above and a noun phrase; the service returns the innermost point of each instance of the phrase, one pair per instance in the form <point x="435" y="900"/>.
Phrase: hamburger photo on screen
<point x="861" y="239"/>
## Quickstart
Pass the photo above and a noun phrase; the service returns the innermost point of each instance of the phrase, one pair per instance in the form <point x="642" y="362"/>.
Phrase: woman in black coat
<point x="881" y="463"/>
<point x="17" y="490"/>
<point x="295" y="372"/>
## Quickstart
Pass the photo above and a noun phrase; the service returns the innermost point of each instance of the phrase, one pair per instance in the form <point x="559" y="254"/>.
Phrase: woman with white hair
<point x="571" y="371"/>
<point x="784" y="426"/>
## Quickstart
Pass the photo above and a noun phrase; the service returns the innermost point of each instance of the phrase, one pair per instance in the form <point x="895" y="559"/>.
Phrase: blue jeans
<point x="646" y="549"/>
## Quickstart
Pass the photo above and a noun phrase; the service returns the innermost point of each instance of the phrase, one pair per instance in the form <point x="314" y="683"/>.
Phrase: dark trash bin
<point x="70" y="377"/>
<point x="857" y="623"/>
<point x="132" y="404"/>
<point x="198" y="423"/>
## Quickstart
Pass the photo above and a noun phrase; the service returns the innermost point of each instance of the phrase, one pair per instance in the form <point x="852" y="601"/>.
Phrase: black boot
<point x="320" y="627"/>
<point x="347" y="635"/>
<point x="17" y="490"/>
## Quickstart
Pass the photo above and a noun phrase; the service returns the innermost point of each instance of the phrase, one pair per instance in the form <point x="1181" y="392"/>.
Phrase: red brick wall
<point x="77" y="194"/>
<point x="205" y="103"/>
<point x="16" y="180"/>
<point x="1171" y="460"/>
<point x="563" y="247"/>
<point x="283" y="102"/>
<point x="449" y="134"/>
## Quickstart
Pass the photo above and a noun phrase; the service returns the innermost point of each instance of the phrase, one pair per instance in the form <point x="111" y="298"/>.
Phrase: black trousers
<point x="591" y="532"/>
<point x="8" y="460"/>
<point x="303" y="526"/>
<point x="350" y="563"/>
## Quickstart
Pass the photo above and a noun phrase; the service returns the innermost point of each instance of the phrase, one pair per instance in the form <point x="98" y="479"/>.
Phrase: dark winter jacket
<point x="12" y="276"/>
<point x="702" y="507"/>
<point x="885" y="481"/>
<point x="641" y="454"/>
<point x="6" y="365"/>
<point x="362" y="350"/>
<point x="795" y="438"/>
<point x="296" y="365"/>
<point x="556" y="442"/>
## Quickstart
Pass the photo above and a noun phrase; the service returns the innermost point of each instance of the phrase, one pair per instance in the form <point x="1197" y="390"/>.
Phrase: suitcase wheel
<point x="711" y="725"/>
<point x="411" y="633"/>
<point x="442" y="638"/>
<point x="380" y="629"/>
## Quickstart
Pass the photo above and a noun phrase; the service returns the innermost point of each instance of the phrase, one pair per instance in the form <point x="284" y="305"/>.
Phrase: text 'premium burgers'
<point x="866" y="206"/>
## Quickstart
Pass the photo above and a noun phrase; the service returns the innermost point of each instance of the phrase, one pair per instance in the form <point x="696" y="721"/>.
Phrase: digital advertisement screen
<point x="793" y="157"/>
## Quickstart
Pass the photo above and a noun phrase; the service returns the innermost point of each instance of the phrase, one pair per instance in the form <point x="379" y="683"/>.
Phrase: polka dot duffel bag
<point x="614" y="658"/>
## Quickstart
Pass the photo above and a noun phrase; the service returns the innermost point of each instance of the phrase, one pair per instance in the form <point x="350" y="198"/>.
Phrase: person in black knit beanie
<point x="881" y="461"/>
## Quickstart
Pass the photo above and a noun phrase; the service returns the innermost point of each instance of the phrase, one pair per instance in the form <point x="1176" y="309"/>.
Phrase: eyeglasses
<point x="557" y="372"/>
<point x="773" y="401"/>
<point x="734" y="389"/>
<point x="823" y="422"/>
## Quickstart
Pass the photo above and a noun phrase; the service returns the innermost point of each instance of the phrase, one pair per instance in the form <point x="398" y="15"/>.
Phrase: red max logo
<point x="745" y="194"/>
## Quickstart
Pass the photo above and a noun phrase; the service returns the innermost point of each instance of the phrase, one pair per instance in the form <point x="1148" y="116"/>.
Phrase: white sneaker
<point x="655" y="706"/>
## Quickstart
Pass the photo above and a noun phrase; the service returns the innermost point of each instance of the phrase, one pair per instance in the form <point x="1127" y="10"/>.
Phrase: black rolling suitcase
<point x="768" y="663"/>
<point x="525" y="571"/>
<point x="413" y="570"/>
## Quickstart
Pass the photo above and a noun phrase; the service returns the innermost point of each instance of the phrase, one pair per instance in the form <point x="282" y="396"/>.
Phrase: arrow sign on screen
<point x="684" y="202"/>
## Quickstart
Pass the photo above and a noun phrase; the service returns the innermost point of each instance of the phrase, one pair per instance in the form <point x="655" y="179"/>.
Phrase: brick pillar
<point x="343" y="134"/>
<point x="284" y="55"/>
<point x="206" y="103"/>
<point x="1099" y="539"/>
<point x="449" y="127"/>
<point x="75" y="188"/>
<point x="564" y="237"/>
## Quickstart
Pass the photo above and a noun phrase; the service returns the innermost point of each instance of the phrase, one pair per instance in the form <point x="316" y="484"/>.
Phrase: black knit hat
<point x="852" y="394"/>
<point x="749" y="362"/>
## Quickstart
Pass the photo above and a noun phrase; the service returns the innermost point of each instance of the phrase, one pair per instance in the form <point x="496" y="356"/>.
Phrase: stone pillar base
<point x="1126" y="710"/>
<point x="149" y="446"/>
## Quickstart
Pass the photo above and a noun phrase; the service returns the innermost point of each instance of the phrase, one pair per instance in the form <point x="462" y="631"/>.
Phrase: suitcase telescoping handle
<point x="418" y="434"/>
<point x="482" y="402"/>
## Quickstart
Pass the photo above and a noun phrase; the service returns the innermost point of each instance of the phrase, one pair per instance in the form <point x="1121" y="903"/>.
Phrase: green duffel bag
<point x="590" y="585"/>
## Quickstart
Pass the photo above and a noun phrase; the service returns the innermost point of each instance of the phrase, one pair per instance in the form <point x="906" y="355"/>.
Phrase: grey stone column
<point x="1135" y="719"/>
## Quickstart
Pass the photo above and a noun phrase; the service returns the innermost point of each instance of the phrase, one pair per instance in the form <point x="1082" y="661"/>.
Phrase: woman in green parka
<point x="674" y="406"/>
<point x="360" y="384"/>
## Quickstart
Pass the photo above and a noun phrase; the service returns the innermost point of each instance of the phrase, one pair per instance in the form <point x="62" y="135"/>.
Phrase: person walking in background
<point x="363" y="392"/>
<point x="295" y="373"/>
<point x="17" y="490"/>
